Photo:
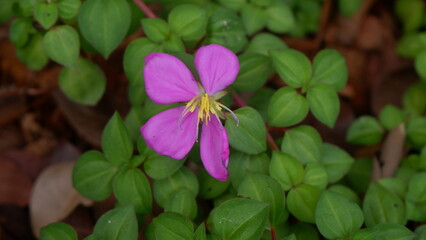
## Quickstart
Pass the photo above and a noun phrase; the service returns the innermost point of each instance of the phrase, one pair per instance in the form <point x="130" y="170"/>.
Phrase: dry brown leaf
<point x="392" y="150"/>
<point x="53" y="197"/>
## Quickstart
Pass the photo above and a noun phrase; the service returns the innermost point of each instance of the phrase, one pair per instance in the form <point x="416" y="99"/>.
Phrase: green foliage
<point x="169" y="226"/>
<point x="365" y="130"/>
<point x="119" y="223"/>
<point x="287" y="107"/>
<point x="293" y="67"/>
<point x="188" y="21"/>
<point x="329" y="67"/>
<point x="62" y="45"/>
<point x="159" y="166"/>
<point x="46" y="14"/>
<point x="302" y="201"/>
<point x="286" y="170"/>
<point x="116" y="143"/>
<point x="56" y="231"/>
<point x="304" y="143"/>
<point x="254" y="72"/>
<point x="324" y="104"/>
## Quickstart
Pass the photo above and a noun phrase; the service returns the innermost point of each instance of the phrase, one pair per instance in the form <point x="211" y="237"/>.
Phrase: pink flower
<point x="174" y="131"/>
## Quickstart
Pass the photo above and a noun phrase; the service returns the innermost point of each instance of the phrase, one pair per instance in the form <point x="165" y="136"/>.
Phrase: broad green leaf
<point x="235" y="5"/>
<point x="329" y="67"/>
<point x="7" y="9"/>
<point x="416" y="131"/>
<point x="182" y="202"/>
<point x="250" y="134"/>
<point x="46" y="13"/>
<point x="116" y="143"/>
<point x="26" y="7"/>
<point x="117" y="224"/>
<point x="394" y="185"/>
<point x="301" y="202"/>
<point x="345" y="191"/>
<point x="265" y="189"/>
<point x="188" y="21"/>
<point x="414" y="99"/>
<point x="248" y="218"/>
<point x="411" y="13"/>
<point x="392" y="231"/>
<point x="391" y="116"/>
<point x="410" y="44"/>
<point x="156" y="29"/>
<point x="200" y="233"/>
<point x="382" y="206"/>
<point x="172" y="226"/>
<point x="416" y="199"/>
<point x="19" y="31"/>
<point x="68" y="9"/>
<point x="104" y="23"/>
<point x="292" y="66"/>
<point x="365" y="130"/>
<point x="360" y="173"/>
<point x="92" y="176"/>
<point x="85" y="83"/>
<point x="174" y="44"/>
<point x="254" y="18"/>
<point x="287" y="107"/>
<point x="263" y="42"/>
<point x="324" y="104"/>
<point x="304" y="143"/>
<point x="336" y="161"/>
<point x="131" y="187"/>
<point x="286" y="170"/>
<point x="304" y="231"/>
<point x="62" y="45"/>
<point x="420" y="64"/>
<point x="315" y="175"/>
<point x="166" y="187"/>
<point x="33" y="54"/>
<point x="337" y="216"/>
<point x="159" y="166"/>
<point x="254" y="72"/>
<point x="280" y="18"/>
<point x="210" y="187"/>
<point x="240" y="164"/>
<point x="58" y="231"/>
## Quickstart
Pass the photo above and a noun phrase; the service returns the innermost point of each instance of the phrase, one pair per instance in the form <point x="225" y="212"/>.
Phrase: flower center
<point x="207" y="104"/>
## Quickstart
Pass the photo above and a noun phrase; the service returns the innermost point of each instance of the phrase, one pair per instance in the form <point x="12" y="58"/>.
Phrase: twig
<point x="145" y="8"/>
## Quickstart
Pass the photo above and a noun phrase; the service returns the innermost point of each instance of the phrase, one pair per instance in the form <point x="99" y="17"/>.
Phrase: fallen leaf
<point x="392" y="150"/>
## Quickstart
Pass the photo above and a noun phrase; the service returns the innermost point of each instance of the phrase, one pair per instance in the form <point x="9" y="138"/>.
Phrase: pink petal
<point x="163" y="134"/>
<point x="217" y="66"/>
<point x="168" y="80"/>
<point x="214" y="149"/>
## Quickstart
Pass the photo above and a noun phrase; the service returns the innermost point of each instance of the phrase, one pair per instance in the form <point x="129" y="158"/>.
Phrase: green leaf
<point x="133" y="122"/>
<point x="46" y="14"/>
<point x="345" y="191"/>
<point x="286" y="170"/>
<point x="254" y="18"/>
<point x="165" y="188"/>
<point x="365" y="130"/>
<point x="324" y="104"/>
<point x="337" y="216"/>
<point x="292" y="66"/>
<point x="58" y="231"/>
<point x="263" y="42"/>
<point x="19" y="31"/>
<point x="304" y="143"/>
<point x="391" y="116"/>
<point x="414" y="99"/>
<point x="104" y="23"/>
<point x="226" y="28"/>
<point x="250" y="135"/>
<point x="360" y="174"/>
<point x="280" y="18"/>
<point x="240" y="164"/>
<point x="329" y="67"/>
<point x="235" y="5"/>
<point x="156" y="29"/>
<point x="7" y="9"/>
<point x="382" y="206"/>
<point x="265" y="189"/>
<point x="188" y="21"/>
<point x="85" y="83"/>
<point x="254" y="72"/>
<point x="200" y="233"/>
<point x="158" y="166"/>
<point x="183" y="202"/>
<point x="248" y="218"/>
<point x="315" y="175"/>
<point x="416" y="131"/>
<point x="26" y="7"/>
<point x="174" y="44"/>
<point x="260" y="99"/>
<point x="391" y="231"/>
<point x="411" y="13"/>
<point x="92" y="176"/>
<point x="304" y="231"/>
<point x="420" y="64"/>
<point x="116" y="143"/>
<point x="301" y="202"/>
<point x="172" y="226"/>
<point x="287" y="107"/>
<point x="210" y="187"/>
<point x="131" y="187"/>
<point x="348" y="8"/>
<point x="117" y="224"/>
<point x="62" y="45"/>
<point x="336" y="161"/>
<point x="415" y="198"/>
<point x="33" y="54"/>
<point x="410" y="44"/>
<point x="394" y="185"/>
<point x="68" y="9"/>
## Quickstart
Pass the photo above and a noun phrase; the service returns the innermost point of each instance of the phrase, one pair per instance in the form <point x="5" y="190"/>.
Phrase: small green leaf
<point x="286" y="170"/>
<point x="116" y="143"/>
<point x="414" y="99"/>
<point x="104" y="23"/>
<point x="280" y="18"/>
<point x="117" y="224"/>
<point x="260" y="99"/>
<point x="58" y="231"/>
<point x="420" y="64"/>
<point x="324" y="104"/>
<point x="329" y="67"/>
<point x="411" y="13"/>
<point x="92" y="176"/>
<point x="254" y="18"/>
<point x="235" y="5"/>
<point x="264" y="188"/>
<point x="26" y="7"/>
<point x="391" y="116"/>
<point x="200" y="233"/>
<point x="304" y="231"/>
<point x="188" y="21"/>
<point x="345" y="191"/>
<point x="174" y="44"/>
<point x="172" y="226"/>
<point x="304" y="143"/>
<point x="7" y="10"/>
<point x="365" y="130"/>
<point x="287" y="107"/>
<point x="348" y="8"/>
<point x="239" y="219"/>
<point x="131" y="187"/>
<point x="315" y="175"/>
<point x="336" y="161"/>
<point x="33" y="54"/>
<point x="392" y="231"/>
<point x="156" y="29"/>
<point x="416" y="199"/>
<point x="301" y="202"/>
<point x="394" y="185"/>
<point x="183" y="202"/>
<point x="337" y="216"/>
<point x="46" y="14"/>
<point x="250" y="135"/>
<point x="210" y="187"/>
<point x="254" y="72"/>
<point x="240" y="164"/>
<point x="360" y="173"/>
<point x="85" y="83"/>
<point x="292" y="66"/>
<point x="19" y="31"/>
<point x="62" y="45"/>
<point x="159" y="166"/>
<point x="410" y="44"/>
<point x="416" y="131"/>
<point x="68" y="9"/>
<point x="263" y="42"/>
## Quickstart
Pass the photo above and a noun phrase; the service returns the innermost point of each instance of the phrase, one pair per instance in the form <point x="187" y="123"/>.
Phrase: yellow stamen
<point x="206" y="105"/>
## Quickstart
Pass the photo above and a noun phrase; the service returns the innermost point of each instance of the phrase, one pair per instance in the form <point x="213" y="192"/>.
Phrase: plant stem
<point x="145" y="8"/>
<point x="273" y="234"/>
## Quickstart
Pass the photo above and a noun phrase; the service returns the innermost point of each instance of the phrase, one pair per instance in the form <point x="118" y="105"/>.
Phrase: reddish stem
<point x="273" y="234"/>
<point x="145" y="8"/>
